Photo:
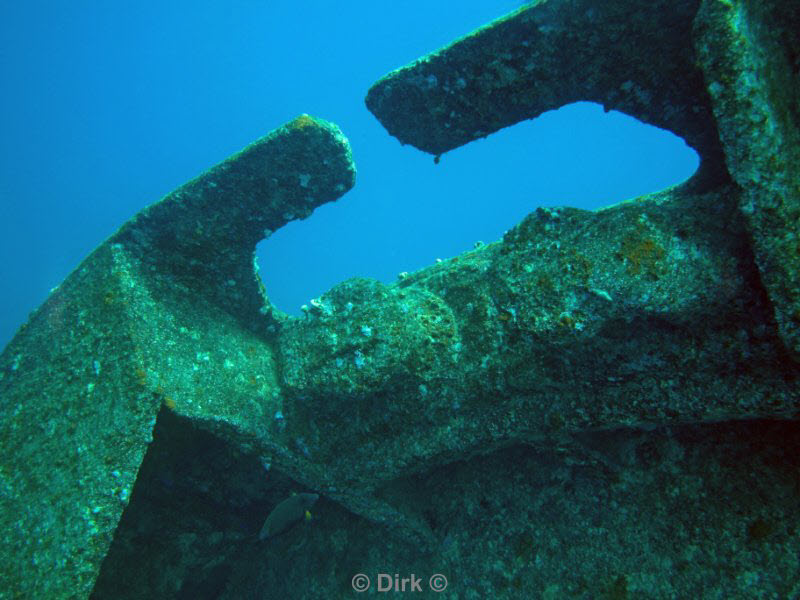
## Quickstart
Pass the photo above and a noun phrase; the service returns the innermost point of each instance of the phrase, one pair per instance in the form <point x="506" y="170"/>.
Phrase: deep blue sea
<point x="107" y="107"/>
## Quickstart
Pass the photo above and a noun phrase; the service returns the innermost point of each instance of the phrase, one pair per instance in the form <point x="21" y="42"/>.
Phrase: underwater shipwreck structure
<point x="599" y="405"/>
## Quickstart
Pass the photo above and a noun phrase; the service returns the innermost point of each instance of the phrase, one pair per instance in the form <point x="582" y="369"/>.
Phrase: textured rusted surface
<point x="632" y="56"/>
<point x="601" y="404"/>
<point x="722" y="75"/>
<point x="167" y="311"/>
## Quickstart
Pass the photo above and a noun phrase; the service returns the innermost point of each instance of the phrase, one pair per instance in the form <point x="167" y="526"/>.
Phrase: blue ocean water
<point x="107" y="108"/>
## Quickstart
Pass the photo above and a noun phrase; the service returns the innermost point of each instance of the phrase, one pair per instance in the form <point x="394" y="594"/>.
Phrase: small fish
<point x="287" y="513"/>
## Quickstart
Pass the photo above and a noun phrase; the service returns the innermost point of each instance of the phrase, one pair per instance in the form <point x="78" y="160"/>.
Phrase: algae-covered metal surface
<point x="166" y="312"/>
<point x="598" y="405"/>
<point x="722" y="75"/>
<point x="632" y="56"/>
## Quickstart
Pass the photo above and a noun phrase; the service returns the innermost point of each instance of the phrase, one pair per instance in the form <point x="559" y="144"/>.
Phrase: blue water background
<point x="106" y="107"/>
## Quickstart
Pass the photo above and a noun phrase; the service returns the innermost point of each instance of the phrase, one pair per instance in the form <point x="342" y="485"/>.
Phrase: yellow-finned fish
<point x="287" y="513"/>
